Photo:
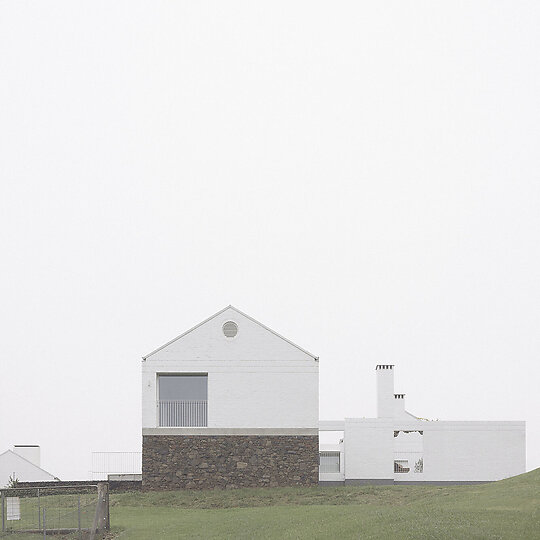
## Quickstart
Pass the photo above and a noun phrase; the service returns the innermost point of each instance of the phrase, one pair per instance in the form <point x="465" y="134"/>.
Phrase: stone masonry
<point x="229" y="461"/>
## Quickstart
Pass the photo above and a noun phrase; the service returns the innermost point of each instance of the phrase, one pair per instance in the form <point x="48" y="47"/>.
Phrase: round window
<point x="230" y="329"/>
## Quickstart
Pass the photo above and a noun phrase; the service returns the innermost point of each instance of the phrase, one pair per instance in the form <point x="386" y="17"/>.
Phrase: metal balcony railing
<point x="105" y="463"/>
<point x="182" y="413"/>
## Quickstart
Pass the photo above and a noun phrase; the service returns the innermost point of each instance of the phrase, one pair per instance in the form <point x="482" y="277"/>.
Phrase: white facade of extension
<point x="256" y="381"/>
<point x="23" y="464"/>
<point x="399" y="447"/>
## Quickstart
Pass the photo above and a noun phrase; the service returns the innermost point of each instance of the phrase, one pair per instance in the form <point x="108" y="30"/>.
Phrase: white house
<point x="230" y="403"/>
<point x="398" y="447"/>
<point x="23" y="464"/>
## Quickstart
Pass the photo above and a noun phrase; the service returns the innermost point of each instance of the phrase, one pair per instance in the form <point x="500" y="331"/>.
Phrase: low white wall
<point x="451" y="451"/>
<point x="480" y="452"/>
<point x="369" y="449"/>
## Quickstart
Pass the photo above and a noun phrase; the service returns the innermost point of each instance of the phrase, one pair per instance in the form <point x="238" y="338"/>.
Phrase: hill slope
<point x="506" y="509"/>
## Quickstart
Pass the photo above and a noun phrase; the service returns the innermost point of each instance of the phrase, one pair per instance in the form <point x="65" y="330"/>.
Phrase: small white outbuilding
<point x="22" y="463"/>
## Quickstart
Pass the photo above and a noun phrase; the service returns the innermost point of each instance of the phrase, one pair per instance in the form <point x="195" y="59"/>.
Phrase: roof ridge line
<point x="186" y="332"/>
<point x="275" y="333"/>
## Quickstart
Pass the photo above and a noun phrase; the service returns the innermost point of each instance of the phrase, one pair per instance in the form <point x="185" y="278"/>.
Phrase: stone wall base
<point x="229" y="461"/>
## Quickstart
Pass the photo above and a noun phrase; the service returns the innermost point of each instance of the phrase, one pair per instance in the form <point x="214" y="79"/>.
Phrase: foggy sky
<point x="361" y="177"/>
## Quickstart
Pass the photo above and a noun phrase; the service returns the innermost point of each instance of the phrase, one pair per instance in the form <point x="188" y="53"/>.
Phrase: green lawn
<point x="506" y="509"/>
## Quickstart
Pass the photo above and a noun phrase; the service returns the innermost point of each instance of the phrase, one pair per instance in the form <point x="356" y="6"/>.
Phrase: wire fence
<point x="75" y="512"/>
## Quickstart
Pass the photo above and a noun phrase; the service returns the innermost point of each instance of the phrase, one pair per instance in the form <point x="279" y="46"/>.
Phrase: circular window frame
<point x="235" y="325"/>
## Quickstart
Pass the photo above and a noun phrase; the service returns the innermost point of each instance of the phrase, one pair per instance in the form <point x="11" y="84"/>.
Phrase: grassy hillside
<point x="506" y="509"/>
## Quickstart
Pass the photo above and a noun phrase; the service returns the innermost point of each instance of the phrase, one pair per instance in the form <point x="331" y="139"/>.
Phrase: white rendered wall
<point x="474" y="451"/>
<point x="468" y="451"/>
<point x="369" y="449"/>
<point x="24" y="471"/>
<point x="255" y="380"/>
<point x="451" y="451"/>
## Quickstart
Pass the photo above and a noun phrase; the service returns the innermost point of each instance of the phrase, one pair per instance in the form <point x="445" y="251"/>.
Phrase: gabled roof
<point x="18" y="456"/>
<point x="241" y="313"/>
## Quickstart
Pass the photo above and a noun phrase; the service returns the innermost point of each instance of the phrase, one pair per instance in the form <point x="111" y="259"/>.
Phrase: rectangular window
<point x="183" y="387"/>
<point x="329" y="462"/>
<point x="183" y="400"/>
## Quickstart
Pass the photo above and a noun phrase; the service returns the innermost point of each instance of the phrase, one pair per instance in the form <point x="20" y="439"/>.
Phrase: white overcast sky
<point x="362" y="177"/>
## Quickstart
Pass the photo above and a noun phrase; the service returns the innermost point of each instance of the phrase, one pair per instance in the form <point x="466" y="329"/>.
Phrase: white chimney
<point x="385" y="390"/>
<point x="31" y="452"/>
<point x="399" y="405"/>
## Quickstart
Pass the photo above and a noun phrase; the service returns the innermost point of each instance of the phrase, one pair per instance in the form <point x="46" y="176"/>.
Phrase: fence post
<point x="101" y="517"/>
<point x="108" y="517"/>
<point x="38" y="509"/>
<point x="44" y="525"/>
<point x="3" y="514"/>
<point x="79" y="512"/>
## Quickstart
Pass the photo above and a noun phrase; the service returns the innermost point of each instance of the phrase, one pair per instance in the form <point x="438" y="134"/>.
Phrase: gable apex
<point x="230" y="307"/>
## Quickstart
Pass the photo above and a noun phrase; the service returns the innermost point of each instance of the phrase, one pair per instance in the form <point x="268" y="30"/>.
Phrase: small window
<point x="230" y="329"/>
<point x="329" y="462"/>
<point x="401" y="466"/>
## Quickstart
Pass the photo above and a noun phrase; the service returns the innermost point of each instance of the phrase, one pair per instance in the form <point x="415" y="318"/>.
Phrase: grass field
<point x="506" y="509"/>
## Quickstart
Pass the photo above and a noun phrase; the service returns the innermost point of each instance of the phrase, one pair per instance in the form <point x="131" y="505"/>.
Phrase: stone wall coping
<point x="230" y="431"/>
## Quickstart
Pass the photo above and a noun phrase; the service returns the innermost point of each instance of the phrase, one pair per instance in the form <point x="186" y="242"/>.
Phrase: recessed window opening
<point x="328" y="462"/>
<point x="183" y="400"/>
<point x="401" y="466"/>
<point x="412" y="433"/>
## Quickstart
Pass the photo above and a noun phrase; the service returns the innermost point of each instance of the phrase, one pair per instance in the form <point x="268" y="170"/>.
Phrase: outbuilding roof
<point x="14" y="455"/>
